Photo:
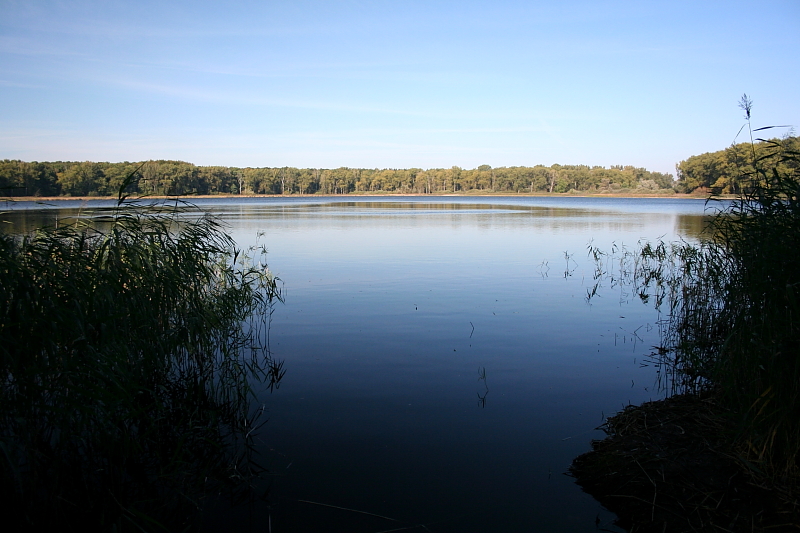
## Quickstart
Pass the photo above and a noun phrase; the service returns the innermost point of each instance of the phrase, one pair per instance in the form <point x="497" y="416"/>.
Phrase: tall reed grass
<point x="731" y="308"/>
<point x="131" y="344"/>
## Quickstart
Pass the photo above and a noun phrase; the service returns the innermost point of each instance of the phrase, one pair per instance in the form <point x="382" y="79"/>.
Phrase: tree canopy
<point x="716" y="172"/>
<point x="723" y="171"/>
<point x="19" y="178"/>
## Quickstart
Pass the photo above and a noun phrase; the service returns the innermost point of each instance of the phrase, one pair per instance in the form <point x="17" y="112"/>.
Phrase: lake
<point x="444" y="366"/>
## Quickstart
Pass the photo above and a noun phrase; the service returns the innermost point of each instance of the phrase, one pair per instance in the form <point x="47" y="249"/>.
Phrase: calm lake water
<point x="443" y="364"/>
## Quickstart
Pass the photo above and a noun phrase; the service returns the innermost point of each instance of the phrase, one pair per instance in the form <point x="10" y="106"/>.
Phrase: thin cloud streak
<point x="246" y="100"/>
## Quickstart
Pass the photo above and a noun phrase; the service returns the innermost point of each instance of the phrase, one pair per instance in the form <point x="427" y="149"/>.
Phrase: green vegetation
<point x="732" y="325"/>
<point x="18" y="178"/>
<point x="722" y="451"/>
<point x="728" y="171"/>
<point x="131" y="344"/>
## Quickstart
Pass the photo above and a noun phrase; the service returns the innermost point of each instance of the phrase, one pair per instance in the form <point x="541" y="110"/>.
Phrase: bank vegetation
<point x="131" y="345"/>
<point x="723" y="452"/>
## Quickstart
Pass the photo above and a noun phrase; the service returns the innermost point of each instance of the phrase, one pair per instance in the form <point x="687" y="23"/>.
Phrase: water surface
<point x="443" y="364"/>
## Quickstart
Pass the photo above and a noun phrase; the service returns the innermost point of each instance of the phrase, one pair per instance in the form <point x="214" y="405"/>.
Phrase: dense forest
<point x="18" y="178"/>
<point x="723" y="172"/>
<point x="712" y="172"/>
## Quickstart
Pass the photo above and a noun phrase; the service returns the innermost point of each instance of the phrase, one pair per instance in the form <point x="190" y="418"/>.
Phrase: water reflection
<point x="692" y="227"/>
<point x="581" y="214"/>
<point x="483" y="391"/>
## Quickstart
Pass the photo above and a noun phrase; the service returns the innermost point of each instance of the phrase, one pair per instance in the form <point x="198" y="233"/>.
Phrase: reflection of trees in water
<point x="691" y="227"/>
<point x="27" y="221"/>
<point x="546" y="218"/>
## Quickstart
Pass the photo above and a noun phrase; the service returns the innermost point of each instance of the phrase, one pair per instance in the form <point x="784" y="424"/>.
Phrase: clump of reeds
<point x="732" y="315"/>
<point x="129" y="346"/>
<point x="758" y="365"/>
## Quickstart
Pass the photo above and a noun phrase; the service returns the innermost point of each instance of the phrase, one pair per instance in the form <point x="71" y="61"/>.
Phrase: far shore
<point x="582" y="194"/>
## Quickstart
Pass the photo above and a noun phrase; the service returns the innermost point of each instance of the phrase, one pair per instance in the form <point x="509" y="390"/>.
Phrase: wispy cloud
<point x="21" y="85"/>
<point x="223" y="96"/>
<point x="14" y="45"/>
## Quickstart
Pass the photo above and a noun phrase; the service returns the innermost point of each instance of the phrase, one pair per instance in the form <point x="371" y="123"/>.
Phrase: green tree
<point x="80" y="179"/>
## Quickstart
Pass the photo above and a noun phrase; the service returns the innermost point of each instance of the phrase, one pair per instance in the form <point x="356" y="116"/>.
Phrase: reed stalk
<point x="131" y="346"/>
<point x="730" y="316"/>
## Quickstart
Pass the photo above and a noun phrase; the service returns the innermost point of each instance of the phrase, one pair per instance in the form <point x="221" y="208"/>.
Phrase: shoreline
<point x="673" y="196"/>
<point x="671" y="465"/>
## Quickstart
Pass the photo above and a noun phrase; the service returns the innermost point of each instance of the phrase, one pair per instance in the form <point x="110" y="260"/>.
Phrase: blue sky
<point x="391" y="84"/>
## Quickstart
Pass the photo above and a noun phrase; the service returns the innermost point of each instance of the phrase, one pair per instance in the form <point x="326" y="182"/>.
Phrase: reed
<point x="758" y="361"/>
<point x="131" y="346"/>
<point x="730" y="308"/>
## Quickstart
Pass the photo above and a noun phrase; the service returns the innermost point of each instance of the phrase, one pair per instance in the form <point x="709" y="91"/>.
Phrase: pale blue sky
<point x="391" y="84"/>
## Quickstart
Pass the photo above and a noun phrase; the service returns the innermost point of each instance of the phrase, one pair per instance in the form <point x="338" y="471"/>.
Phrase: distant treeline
<point x="18" y="178"/>
<point x="722" y="172"/>
<point x="718" y="172"/>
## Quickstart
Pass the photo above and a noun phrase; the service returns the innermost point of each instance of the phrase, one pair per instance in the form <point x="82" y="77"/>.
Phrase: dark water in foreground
<point x="443" y="364"/>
